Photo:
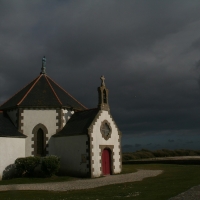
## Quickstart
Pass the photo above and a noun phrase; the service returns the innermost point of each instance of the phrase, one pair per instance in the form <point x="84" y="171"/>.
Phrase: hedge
<point x="26" y="166"/>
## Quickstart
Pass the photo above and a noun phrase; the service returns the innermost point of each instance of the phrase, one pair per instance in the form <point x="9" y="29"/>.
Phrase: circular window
<point x="105" y="130"/>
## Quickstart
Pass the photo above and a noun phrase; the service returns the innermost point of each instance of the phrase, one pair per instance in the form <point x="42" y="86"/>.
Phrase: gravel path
<point x="191" y="194"/>
<point x="86" y="183"/>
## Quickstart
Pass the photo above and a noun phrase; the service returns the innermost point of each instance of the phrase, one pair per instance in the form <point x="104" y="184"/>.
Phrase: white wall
<point x="99" y="140"/>
<point x="13" y="116"/>
<point x="67" y="115"/>
<point x="34" y="117"/>
<point x="10" y="150"/>
<point x="70" y="149"/>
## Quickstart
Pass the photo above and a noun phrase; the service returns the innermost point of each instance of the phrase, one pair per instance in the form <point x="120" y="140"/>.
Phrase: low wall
<point x="179" y="162"/>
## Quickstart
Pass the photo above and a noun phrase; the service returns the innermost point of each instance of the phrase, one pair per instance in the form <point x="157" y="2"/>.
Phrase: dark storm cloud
<point x="189" y="142"/>
<point x="149" y="144"/>
<point x="170" y="141"/>
<point x="147" y="51"/>
<point x="198" y="64"/>
<point x="127" y="146"/>
<point x="138" y="145"/>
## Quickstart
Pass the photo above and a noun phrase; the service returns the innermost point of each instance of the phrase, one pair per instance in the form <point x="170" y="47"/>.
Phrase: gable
<point x="104" y="118"/>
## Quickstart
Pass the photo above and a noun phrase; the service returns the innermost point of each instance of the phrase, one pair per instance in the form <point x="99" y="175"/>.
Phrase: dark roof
<point x="42" y="92"/>
<point x="78" y="123"/>
<point x="7" y="128"/>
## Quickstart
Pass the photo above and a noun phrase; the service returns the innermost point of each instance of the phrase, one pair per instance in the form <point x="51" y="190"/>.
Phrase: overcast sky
<point x="148" y="51"/>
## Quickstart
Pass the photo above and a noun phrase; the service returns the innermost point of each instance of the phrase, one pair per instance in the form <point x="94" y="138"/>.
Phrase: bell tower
<point x="103" y="95"/>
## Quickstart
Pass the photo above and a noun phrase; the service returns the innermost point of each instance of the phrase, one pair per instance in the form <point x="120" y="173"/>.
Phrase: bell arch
<point x="104" y="96"/>
<point x="39" y="140"/>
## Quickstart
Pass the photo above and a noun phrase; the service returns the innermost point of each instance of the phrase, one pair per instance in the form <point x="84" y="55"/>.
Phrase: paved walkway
<point x="86" y="183"/>
<point x="191" y="194"/>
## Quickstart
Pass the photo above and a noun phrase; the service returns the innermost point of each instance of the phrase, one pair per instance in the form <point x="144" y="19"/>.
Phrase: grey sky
<point x="149" y="52"/>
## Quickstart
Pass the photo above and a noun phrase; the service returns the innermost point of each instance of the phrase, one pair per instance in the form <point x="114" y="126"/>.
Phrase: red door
<point x="106" y="162"/>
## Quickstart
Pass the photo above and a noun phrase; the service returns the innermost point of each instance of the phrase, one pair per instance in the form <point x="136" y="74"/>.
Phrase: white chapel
<point x="43" y="119"/>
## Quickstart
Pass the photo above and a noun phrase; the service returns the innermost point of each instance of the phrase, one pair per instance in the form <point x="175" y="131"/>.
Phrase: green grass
<point x="174" y="180"/>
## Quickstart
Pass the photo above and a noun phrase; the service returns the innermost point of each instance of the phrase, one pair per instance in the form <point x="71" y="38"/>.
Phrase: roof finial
<point x="102" y="81"/>
<point x="43" y="69"/>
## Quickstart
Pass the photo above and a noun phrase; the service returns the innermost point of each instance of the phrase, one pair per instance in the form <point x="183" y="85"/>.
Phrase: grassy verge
<point x="174" y="180"/>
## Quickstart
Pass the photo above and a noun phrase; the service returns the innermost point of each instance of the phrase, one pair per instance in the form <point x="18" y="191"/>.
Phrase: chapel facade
<point x="43" y="119"/>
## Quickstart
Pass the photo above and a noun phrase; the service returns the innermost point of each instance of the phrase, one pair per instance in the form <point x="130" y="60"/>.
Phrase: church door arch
<point x="106" y="162"/>
<point x="39" y="140"/>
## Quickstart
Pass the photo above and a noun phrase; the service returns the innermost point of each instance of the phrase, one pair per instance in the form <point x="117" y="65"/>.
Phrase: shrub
<point x="26" y="166"/>
<point x="20" y="166"/>
<point x="126" y="157"/>
<point x="50" y="165"/>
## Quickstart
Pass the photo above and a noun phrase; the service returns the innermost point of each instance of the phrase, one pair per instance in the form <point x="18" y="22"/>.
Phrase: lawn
<point x="174" y="180"/>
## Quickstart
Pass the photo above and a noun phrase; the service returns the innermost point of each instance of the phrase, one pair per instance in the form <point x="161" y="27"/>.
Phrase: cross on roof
<point x="102" y="80"/>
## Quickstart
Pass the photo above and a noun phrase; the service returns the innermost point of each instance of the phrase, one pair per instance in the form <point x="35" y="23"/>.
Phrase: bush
<point x="26" y="166"/>
<point x="50" y="165"/>
<point x="126" y="157"/>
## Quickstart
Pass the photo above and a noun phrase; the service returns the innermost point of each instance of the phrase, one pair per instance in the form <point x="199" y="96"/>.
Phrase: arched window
<point x="104" y="97"/>
<point x="40" y="140"/>
<point x="40" y="151"/>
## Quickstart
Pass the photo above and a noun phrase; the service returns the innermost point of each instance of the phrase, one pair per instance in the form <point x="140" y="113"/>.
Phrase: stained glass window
<point x="105" y="129"/>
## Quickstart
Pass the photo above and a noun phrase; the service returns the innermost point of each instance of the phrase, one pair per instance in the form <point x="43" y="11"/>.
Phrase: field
<point x="174" y="180"/>
<point x="164" y="153"/>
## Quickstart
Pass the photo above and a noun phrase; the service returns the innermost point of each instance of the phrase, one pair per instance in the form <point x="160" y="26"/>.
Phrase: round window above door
<point x="105" y="129"/>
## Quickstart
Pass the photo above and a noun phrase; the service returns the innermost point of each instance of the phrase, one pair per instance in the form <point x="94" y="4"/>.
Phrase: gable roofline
<point x="66" y="92"/>
<point x="82" y="122"/>
<point x="29" y="90"/>
<point x="78" y="123"/>
<point x="53" y="90"/>
<point x="90" y="128"/>
<point x="62" y="99"/>
<point x="17" y="93"/>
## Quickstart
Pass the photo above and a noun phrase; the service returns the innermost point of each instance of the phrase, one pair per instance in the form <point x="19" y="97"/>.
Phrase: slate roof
<point x="7" y="128"/>
<point x="78" y="123"/>
<point x="42" y="92"/>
